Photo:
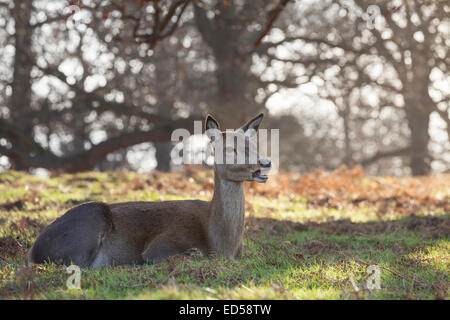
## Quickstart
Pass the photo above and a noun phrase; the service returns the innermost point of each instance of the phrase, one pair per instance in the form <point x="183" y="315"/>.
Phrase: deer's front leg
<point x="159" y="249"/>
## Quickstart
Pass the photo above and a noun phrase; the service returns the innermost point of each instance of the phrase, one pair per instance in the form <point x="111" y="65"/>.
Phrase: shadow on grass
<point x="432" y="227"/>
<point x="403" y="248"/>
<point x="281" y="255"/>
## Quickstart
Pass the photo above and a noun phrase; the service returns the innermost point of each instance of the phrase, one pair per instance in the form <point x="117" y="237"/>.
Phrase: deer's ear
<point x="212" y="127"/>
<point x="252" y="126"/>
<point x="211" y="123"/>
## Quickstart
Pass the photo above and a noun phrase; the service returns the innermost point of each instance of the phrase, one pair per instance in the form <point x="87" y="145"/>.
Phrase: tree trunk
<point x="166" y="93"/>
<point x="233" y="106"/>
<point x="348" y="153"/>
<point x="23" y="60"/>
<point x="163" y="156"/>
<point x="234" y="102"/>
<point x="23" y="63"/>
<point x="418" y="121"/>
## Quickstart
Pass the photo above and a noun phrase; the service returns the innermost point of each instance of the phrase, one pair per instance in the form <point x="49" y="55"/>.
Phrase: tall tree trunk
<point x="162" y="155"/>
<point x="345" y="114"/>
<point x="165" y="109"/>
<point x="418" y="107"/>
<point x="23" y="60"/>
<point x="418" y="122"/>
<point x="23" y="63"/>
<point x="234" y="101"/>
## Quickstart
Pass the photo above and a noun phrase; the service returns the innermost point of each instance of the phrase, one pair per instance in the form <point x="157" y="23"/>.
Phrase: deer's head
<point x="236" y="154"/>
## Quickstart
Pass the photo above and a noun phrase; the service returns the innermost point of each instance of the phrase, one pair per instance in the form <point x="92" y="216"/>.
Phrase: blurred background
<point x="101" y="85"/>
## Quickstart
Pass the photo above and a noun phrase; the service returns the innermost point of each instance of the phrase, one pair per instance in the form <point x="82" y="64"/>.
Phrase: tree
<point x="233" y="31"/>
<point x="19" y="128"/>
<point x="127" y="33"/>
<point x="405" y="41"/>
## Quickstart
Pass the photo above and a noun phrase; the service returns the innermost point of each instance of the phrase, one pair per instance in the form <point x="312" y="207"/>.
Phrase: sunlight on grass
<point x="295" y="246"/>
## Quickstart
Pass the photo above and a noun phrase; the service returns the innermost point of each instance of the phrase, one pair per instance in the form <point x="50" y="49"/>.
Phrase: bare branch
<point x="386" y="154"/>
<point x="161" y="28"/>
<point x="115" y="107"/>
<point x="272" y="17"/>
<point x="50" y="20"/>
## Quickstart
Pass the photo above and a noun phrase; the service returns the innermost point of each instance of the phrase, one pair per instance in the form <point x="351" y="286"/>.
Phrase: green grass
<point x="292" y="249"/>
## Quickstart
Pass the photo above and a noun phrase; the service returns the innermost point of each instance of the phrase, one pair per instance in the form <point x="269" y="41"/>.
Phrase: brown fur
<point x="96" y="234"/>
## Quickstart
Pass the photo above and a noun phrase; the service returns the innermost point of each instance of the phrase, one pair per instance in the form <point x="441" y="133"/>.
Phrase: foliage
<point x="306" y="237"/>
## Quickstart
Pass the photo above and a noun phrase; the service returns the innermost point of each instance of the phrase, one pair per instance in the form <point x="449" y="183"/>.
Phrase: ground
<point x="310" y="236"/>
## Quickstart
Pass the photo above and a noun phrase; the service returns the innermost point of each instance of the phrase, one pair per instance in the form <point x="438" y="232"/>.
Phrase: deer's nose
<point x="265" y="163"/>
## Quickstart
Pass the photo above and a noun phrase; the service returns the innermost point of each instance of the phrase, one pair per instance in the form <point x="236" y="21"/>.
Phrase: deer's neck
<point x="226" y="220"/>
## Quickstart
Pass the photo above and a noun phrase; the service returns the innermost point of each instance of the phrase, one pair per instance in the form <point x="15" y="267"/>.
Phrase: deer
<point x="96" y="234"/>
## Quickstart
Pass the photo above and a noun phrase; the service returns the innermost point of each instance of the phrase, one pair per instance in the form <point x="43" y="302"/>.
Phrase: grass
<point x="295" y="246"/>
